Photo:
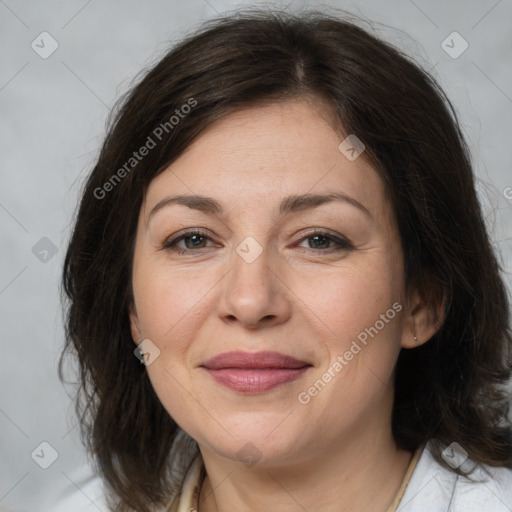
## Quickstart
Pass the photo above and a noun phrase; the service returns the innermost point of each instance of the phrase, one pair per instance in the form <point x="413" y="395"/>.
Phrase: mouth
<point x="254" y="372"/>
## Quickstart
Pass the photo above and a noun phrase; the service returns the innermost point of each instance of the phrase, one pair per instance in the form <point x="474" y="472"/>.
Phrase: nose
<point x="254" y="293"/>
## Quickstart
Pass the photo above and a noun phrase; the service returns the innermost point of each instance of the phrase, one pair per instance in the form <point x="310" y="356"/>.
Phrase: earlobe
<point x="425" y="318"/>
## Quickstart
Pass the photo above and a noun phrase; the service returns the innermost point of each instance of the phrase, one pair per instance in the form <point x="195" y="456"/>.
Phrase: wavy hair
<point x="451" y="388"/>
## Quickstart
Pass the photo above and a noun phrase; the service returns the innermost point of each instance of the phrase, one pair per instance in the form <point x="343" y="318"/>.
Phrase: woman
<point x="281" y="290"/>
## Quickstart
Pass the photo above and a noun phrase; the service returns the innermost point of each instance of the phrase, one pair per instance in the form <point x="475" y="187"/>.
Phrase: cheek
<point x="169" y="301"/>
<point x="348" y="300"/>
<point x="359" y="310"/>
<point x="169" y="305"/>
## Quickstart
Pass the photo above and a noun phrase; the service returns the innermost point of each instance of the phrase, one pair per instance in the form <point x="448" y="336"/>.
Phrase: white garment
<point x="432" y="488"/>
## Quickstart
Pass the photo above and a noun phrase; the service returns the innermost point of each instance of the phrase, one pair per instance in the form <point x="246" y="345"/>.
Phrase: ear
<point x="424" y="316"/>
<point x="134" y="323"/>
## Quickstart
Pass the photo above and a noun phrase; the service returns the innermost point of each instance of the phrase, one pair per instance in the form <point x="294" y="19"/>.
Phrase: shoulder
<point x="437" y="489"/>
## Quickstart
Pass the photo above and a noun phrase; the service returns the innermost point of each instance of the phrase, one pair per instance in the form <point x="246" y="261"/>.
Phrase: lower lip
<point x="255" y="381"/>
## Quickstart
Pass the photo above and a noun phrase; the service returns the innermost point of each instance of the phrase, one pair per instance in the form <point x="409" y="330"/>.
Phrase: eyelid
<point x="342" y="242"/>
<point x="325" y="232"/>
<point x="187" y="233"/>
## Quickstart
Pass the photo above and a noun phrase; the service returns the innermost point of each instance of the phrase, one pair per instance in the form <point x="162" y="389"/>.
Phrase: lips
<point x="257" y="372"/>
<point x="253" y="360"/>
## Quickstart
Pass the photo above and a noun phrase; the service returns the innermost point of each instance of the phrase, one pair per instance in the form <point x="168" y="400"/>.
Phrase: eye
<point x="193" y="240"/>
<point x="323" y="242"/>
<point x="197" y="239"/>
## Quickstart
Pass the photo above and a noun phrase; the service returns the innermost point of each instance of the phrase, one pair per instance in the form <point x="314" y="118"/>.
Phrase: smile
<point x="254" y="372"/>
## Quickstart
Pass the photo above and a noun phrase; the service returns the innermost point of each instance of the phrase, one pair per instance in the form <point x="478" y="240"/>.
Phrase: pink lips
<point x="250" y="372"/>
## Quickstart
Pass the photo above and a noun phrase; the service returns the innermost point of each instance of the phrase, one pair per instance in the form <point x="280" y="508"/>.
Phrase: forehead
<point x="257" y="154"/>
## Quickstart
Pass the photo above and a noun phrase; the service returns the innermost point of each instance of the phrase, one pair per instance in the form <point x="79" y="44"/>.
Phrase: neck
<point x="364" y="473"/>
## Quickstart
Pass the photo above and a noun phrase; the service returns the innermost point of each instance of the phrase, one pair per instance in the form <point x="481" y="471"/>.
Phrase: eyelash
<point x="343" y="244"/>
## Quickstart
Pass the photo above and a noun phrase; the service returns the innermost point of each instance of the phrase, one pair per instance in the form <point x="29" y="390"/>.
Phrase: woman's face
<point x="302" y="295"/>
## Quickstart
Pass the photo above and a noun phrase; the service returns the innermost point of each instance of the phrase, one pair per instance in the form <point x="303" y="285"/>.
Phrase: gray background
<point x="53" y="114"/>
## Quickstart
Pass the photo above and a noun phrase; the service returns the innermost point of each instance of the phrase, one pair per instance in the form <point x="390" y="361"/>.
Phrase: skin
<point x="301" y="299"/>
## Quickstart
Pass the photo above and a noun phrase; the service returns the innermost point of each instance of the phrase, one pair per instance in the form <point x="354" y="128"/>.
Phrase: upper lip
<point x="256" y="360"/>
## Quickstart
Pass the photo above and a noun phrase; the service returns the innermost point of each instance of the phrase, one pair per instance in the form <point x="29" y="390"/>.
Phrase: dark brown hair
<point x="449" y="389"/>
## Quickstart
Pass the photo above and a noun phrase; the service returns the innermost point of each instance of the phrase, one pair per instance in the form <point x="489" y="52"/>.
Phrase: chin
<point x="256" y="440"/>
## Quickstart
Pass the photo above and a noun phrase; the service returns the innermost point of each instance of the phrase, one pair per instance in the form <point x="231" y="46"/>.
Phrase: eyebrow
<point x="290" y="204"/>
